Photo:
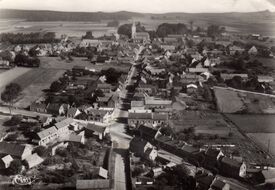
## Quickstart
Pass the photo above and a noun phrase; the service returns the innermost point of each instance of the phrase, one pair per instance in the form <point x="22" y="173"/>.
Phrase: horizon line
<point x="176" y="12"/>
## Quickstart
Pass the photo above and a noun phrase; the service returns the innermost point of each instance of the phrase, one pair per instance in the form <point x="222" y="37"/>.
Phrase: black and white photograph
<point x="137" y="94"/>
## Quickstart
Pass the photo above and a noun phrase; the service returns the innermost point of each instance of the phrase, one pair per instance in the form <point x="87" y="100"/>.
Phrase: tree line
<point x="29" y="38"/>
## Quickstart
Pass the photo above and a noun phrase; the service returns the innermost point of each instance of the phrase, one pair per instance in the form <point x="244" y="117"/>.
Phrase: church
<point x="139" y="37"/>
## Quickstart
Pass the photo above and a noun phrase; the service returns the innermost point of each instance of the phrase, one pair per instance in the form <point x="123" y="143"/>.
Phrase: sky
<point x="144" y="6"/>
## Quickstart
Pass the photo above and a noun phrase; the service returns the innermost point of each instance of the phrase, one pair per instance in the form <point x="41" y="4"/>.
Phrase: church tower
<point x="134" y="30"/>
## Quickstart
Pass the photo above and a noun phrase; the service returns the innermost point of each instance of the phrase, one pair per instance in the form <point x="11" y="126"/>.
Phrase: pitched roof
<point x="93" y="184"/>
<point x="206" y="180"/>
<point x="34" y="160"/>
<point x="231" y="162"/>
<point x="72" y="111"/>
<point x="213" y="153"/>
<point x="96" y="112"/>
<point x="47" y="132"/>
<point x="137" y="103"/>
<point x="64" y="123"/>
<point x="75" y="138"/>
<point x="7" y="159"/>
<point x="157" y="101"/>
<point x="96" y="128"/>
<point x="12" y="149"/>
<point x="103" y="173"/>
<point x="159" y="116"/>
<point x="139" y="115"/>
<point x="218" y="184"/>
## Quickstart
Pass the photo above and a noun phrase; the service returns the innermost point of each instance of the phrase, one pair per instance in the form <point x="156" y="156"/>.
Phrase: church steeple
<point x="134" y="30"/>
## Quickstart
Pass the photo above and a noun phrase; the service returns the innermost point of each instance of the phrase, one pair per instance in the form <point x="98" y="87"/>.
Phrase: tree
<point x="11" y="93"/>
<point x="166" y="28"/>
<point x="56" y="86"/>
<point x="88" y="35"/>
<point x="41" y="151"/>
<point x="126" y="29"/>
<point x="15" y="167"/>
<point x="214" y="30"/>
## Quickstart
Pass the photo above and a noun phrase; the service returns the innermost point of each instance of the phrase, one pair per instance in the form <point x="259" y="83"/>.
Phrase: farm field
<point x="254" y="123"/>
<point x="262" y="139"/>
<point x="69" y="28"/>
<point x="231" y="100"/>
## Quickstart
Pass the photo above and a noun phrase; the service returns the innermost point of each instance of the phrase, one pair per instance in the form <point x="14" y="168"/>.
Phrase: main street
<point x="117" y="130"/>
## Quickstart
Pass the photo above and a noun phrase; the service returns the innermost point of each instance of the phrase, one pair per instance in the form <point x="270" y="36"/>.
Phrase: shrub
<point x="15" y="167"/>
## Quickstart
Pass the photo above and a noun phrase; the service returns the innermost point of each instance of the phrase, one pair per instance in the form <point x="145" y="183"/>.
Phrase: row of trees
<point x="28" y="38"/>
<point x="168" y="28"/>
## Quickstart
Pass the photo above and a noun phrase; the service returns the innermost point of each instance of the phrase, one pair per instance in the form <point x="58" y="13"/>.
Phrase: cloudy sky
<point x="156" y="6"/>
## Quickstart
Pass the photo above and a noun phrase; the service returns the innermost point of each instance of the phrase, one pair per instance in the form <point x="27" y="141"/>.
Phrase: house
<point x="38" y="107"/>
<point x="156" y="103"/>
<point x="5" y="162"/>
<point x="266" y="79"/>
<point x="253" y="51"/>
<point x="73" y="112"/>
<point x="122" y="80"/>
<point x="104" y="87"/>
<point x="167" y="47"/>
<point x="96" y="130"/>
<point x="198" y="70"/>
<point x="141" y="37"/>
<point x="63" y="126"/>
<point x="151" y="154"/>
<point x="76" y="138"/>
<point x="157" y="171"/>
<point x="148" y="133"/>
<point x="146" y="88"/>
<point x="137" y="105"/>
<point x="106" y="101"/>
<point x="93" y="184"/>
<point x="138" y="146"/>
<point x="232" y="167"/>
<point x="212" y="156"/>
<point x="191" y="89"/>
<point x="33" y="160"/>
<point x="136" y="118"/>
<point x="235" y="49"/>
<point x="15" y="150"/>
<point x="219" y="185"/>
<point x="204" y="182"/>
<point x="98" y="115"/>
<point x="89" y="42"/>
<point x="46" y="136"/>
<point x="55" y="109"/>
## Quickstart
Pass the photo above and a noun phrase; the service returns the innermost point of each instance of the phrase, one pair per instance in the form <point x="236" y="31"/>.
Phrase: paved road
<point x="118" y="134"/>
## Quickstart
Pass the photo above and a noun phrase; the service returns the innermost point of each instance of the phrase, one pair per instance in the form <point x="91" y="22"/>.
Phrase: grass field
<point x="34" y="82"/>
<point x="254" y="123"/>
<point x="10" y="75"/>
<point x="231" y="100"/>
<point x="263" y="139"/>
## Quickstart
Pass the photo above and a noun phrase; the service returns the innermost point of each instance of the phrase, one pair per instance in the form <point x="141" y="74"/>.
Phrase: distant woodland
<point x="33" y="15"/>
